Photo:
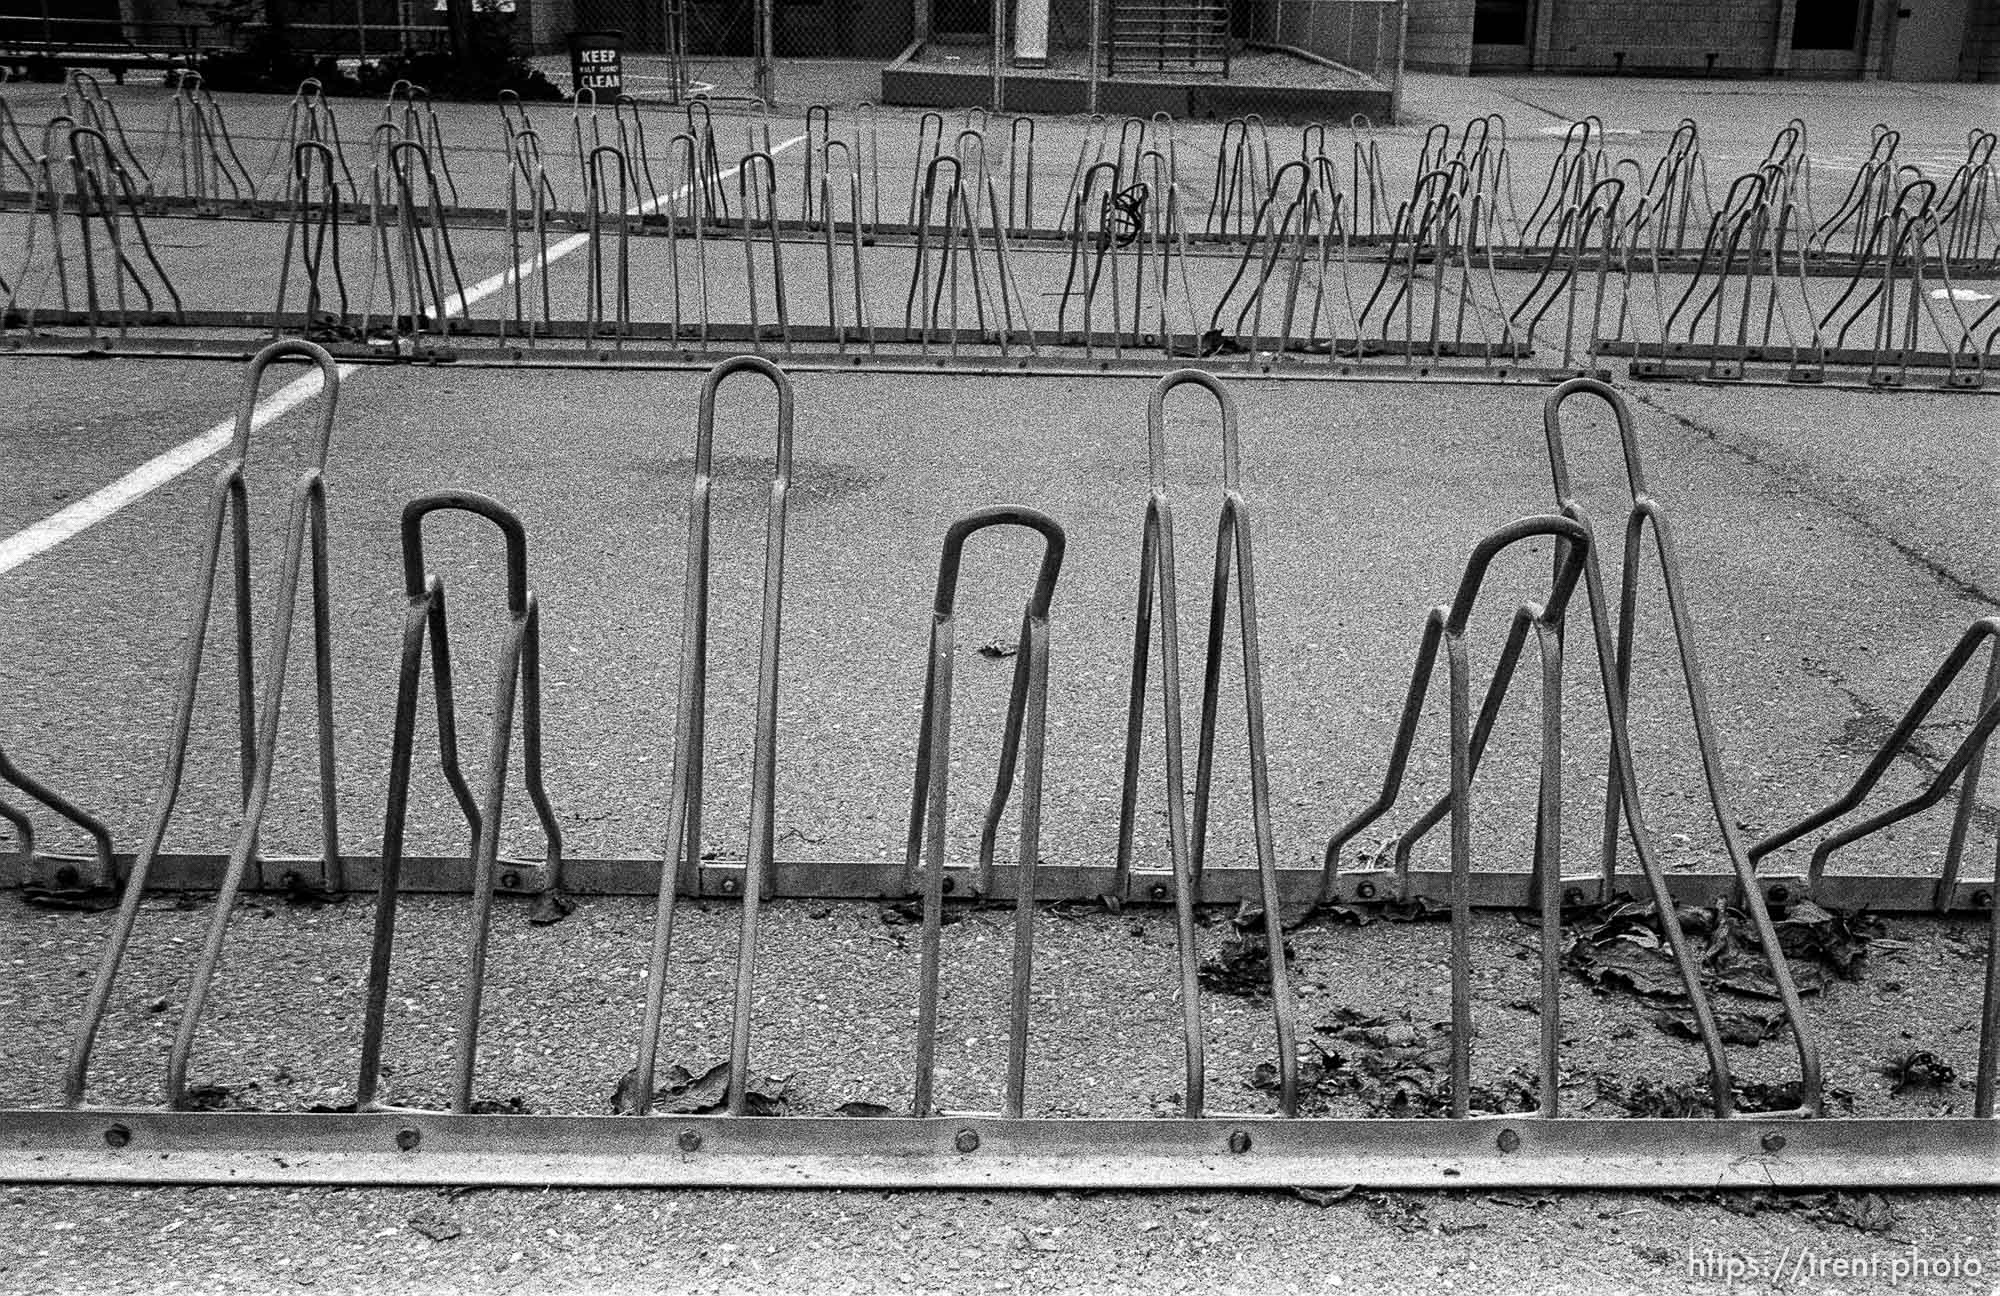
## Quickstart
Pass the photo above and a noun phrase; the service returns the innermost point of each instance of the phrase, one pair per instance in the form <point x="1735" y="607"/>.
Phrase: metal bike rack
<point x="1461" y="275"/>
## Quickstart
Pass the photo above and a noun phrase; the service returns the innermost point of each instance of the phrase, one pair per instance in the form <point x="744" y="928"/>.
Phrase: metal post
<point x="1096" y="43"/>
<point x="670" y="45"/>
<point x="1402" y="45"/>
<point x="999" y="55"/>
<point x="763" y="71"/>
<point x="361" y="29"/>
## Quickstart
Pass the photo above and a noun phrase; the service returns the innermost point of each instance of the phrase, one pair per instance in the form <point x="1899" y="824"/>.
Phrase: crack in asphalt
<point x="1870" y="725"/>
<point x="1932" y="567"/>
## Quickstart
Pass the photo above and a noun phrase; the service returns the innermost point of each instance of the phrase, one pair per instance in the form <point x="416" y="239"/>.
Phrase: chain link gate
<point x="1799" y="1142"/>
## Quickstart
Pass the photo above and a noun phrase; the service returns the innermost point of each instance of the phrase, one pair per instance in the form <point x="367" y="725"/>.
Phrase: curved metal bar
<point x="424" y="262"/>
<point x="313" y="242"/>
<point x="819" y="133"/>
<point x="1547" y="615"/>
<point x="766" y="205"/>
<point x="920" y="302"/>
<point x="525" y="152"/>
<point x="930" y="134"/>
<point x="682" y="855"/>
<point x="1445" y="626"/>
<point x="594" y="188"/>
<point x="1106" y="173"/>
<point x="519" y="678"/>
<point x="105" y="875"/>
<point x="1026" y="720"/>
<point x="1621" y="791"/>
<point x="1941" y="680"/>
<point x="257" y="720"/>
<point x="1233" y="554"/>
<point x="1158" y="597"/>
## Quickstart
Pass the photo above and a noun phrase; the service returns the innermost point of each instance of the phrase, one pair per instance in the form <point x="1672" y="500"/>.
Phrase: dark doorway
<point x="1500" y="22"/>
<point x="962" y="17"/>
<point x="1826" y="24"/>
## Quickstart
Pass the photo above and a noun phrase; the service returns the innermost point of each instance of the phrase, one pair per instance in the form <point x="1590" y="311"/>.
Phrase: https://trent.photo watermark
<point x="1791" y="1265"/>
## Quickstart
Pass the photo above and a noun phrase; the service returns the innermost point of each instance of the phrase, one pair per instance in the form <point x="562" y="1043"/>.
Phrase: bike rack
<point x="519" y="676"/>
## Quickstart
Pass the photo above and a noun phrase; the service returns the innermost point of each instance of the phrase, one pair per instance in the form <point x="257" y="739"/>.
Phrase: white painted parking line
<point x="494" y="283"/>
<point x="42" y="536"/>
<point x="149" y="476"/>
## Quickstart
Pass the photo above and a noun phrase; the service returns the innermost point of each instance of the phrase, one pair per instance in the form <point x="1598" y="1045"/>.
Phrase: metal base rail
<point x="1424" y="367"/>
<point x="1055" y="883"/>
<point x="982" y="1151"/>
<point x="1346" y="360"/>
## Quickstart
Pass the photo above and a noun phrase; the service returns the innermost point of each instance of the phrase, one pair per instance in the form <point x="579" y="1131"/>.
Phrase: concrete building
<point x="1904" y="40"/>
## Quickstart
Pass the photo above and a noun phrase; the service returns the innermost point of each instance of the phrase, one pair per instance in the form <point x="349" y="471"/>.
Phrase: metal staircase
<point x="1165" y="35"/>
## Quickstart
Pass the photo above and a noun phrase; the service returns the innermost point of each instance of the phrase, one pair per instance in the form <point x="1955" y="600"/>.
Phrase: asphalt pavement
<point x="1835" y="544"/>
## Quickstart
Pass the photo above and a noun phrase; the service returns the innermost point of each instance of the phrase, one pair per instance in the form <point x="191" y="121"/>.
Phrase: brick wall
<point x="1440" y="36"/>
<point x="1585" y="35"/>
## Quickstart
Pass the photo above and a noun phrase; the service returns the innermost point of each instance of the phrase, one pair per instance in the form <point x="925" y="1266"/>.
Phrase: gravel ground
<point x="1080" y="1241"/>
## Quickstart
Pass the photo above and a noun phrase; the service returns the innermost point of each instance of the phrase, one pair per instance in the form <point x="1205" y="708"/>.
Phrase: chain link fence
<point x="1014" y="55"/>
<point x="727" y="49"/>
<point x="1364" y="36"/>
<point x="788" y="51"/>
<point x="361" y="29"/>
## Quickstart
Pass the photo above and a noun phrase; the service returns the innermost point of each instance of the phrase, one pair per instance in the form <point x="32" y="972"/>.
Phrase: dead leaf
<point x="1672" y="1099"/>
<point x="76" y="899"/>
<point x="863" y="1109"/>
<point x="216" y="1097"/>
<point x="1242" y="967"/>
<point x="1920" y="1070"/>
<point x="1360" y="913"/>
<point x="1324" y="1197"/>
<point x="1394" y="1067"/>
<point x="550" y="906"/>
<point x="1863" y="1212"/>
<point x="901" y="913"/>
<point x="1748" y="1029"/>
<point x="685" y="1094"/>
<point x="303" y="894"/>
<point x="1620" y="945"/>
<point x="1085" y="906"/>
